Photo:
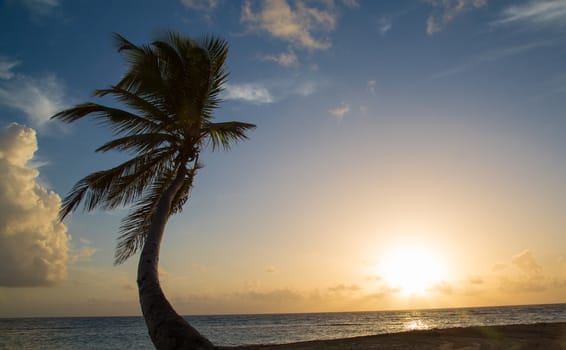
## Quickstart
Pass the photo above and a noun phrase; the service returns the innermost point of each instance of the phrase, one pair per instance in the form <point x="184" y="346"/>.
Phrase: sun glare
<point x="412" y="271"/>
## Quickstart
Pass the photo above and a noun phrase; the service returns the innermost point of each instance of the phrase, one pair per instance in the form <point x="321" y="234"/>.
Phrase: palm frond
<point x="135" y="227"/>
<point x="143" y="76"/>
<point x="117" y="120"/>
<point x="131" y="187"/>
<point x="218" y="52"/>
<point x="151" y="107"/>
<point x="183" y="194"/>
<point x="139" y="143"/>
<point x="106" y="188"/>
<point x="223" y="135"/>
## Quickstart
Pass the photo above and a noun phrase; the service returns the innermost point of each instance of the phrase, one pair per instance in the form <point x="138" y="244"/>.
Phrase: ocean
<point x="112" y="333"/>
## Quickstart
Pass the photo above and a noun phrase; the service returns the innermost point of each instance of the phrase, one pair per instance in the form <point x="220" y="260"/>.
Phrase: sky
<point x="408" y="154"/>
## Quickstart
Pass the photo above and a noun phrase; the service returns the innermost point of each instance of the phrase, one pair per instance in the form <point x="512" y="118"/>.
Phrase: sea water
<point x="105" y="333"/>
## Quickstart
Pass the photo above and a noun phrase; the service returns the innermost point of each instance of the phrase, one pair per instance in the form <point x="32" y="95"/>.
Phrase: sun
<point x="411" y="270"/>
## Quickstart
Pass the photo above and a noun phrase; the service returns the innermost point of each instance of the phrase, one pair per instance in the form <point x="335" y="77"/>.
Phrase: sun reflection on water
<point x="416" y="325"/>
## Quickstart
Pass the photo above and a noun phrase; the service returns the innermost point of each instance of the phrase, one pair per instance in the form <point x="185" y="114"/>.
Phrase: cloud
<point x="524" y="285"/>
<point x="302" y="88"/>
<point x="447" y="10"/>
<point x="6" y="66"/>
<point x="494" y="55"/>
<point x="294" y="24"/>
<point x="476" y="280"/>
<point x="537" y="14"/>
<point x="254" y="93"/>
<point x="34" y="245"/>
<point x="498" y="267"/>
<point x="345" y="289"/>
<point x="41" y="7"/>
<point x="200" y="5"/>
<point x="38" y="99"/>
<point x="340" y="111"/>
<point x="270" y="91"/>
<point x="526" y="275"/>
<point x="384" y="25"/>
<point x="526" y="263"/>
<point x="371" y="86"/>
<point x="286" y="59"/>
<point x="82" y="253"/>
<point x="351" y="3"/>
<point x="270" y="269"/>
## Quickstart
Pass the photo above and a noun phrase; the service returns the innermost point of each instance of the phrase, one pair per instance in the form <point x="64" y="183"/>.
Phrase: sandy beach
<point x="547" y="336"/>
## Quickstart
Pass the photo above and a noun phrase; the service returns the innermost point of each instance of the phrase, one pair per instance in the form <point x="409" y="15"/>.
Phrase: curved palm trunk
<point x="166" y="328"/>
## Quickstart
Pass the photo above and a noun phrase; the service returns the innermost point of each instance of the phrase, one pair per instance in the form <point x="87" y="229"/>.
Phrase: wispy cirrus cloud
<point x="41" y="7"/>
<point x="37" y="98"/>
<point x="445" y="11"/>
<point x="286" y="59"/>
<point x="384" y="25"/>
<point x="200" y="5"/>
<point x="298" y="25"/>
<point x="6" y="67"/>
<point x="535" y="14"/>
<point x="351" y="3"/>
<point x="493" y="55"/>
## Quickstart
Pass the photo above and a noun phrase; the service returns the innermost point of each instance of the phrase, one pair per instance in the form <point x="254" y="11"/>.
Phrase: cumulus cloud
<point x="525" y="276"/>
<point x="37" y="98"/>
<point x="340" y="111"/>
<point x="536" y="14"/>
<point x="6" y="66"/>
<point x="296" y="24"/>
<point x="445" y="11"/>
<point x="526" y="263"/>
<point x="34" y="245"/>
<point x="254" y="93"/>
<point x="286" y="59"/>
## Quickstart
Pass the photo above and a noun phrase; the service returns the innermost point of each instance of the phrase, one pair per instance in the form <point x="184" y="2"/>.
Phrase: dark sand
<point x="543" y="336"/>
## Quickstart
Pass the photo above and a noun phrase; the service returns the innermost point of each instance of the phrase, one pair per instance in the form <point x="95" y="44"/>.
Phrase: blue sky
<point x="383" y="127"/>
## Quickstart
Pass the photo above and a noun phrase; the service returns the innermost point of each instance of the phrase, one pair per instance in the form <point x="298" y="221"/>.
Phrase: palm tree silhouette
<point x="170" y="89"/>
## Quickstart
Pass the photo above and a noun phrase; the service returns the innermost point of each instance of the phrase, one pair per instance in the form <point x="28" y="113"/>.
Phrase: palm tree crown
<point x="170" y="90"/>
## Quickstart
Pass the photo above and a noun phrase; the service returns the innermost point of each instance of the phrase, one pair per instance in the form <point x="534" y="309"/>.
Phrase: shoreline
<point x="546" y="336"/>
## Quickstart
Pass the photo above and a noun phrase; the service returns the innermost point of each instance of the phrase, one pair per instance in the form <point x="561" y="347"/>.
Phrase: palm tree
<point x="170" y="90"/>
